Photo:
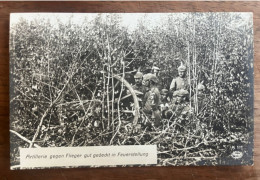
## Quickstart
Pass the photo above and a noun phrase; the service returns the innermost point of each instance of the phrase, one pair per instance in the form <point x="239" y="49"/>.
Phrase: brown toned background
<point x="221" y="172"/>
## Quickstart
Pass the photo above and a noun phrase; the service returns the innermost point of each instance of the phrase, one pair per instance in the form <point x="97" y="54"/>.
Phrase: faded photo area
<point x="180" y="81"/>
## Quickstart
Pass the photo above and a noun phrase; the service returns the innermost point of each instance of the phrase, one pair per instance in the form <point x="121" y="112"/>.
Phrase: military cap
<point x="181" y="93"/>
<point x="165" y="91"/>
<point x="181" y="68"/>
<point x="156" y="68"/>
<point x="201" y="87"/>
<point x="138" y="75"/>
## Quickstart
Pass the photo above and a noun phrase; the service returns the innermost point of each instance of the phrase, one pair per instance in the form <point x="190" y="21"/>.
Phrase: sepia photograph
<point x="183" y="82"/>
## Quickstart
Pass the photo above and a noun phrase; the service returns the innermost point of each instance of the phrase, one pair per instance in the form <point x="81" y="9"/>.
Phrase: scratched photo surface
<point x="180" y="81"/>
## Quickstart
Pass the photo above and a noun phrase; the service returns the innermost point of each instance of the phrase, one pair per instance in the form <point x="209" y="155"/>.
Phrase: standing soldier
<point x="156" y="71"/>
<point x="152" y="98"/>
<point x="138" y="87"/>
<point x="138" y="82"/>
<point x="181" y="82"/>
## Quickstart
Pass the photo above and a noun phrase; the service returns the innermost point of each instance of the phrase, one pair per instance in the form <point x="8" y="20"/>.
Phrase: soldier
<point x="138" y="87"/>
<point x="181" y="98"/>
<point x="181" y="82"/>
<point x="181" y="110"/>
<point x="138" y="82"/>
<point x="155" y="70"/>
<point x="146" y="80"/>
<point x="201" y="96"/>
<point x="165" y="102"/>
<point x="201" y="100"/>
<point x="152" y="98"/>
<point x="201" y="88"/>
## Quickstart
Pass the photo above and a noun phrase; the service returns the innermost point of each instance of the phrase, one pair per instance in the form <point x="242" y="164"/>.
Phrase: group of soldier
<point x="164" y="103"/>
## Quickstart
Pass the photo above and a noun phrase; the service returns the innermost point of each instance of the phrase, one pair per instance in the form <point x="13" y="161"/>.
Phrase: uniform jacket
<point x="179" y="83"/>
<point x="152" y="100"/>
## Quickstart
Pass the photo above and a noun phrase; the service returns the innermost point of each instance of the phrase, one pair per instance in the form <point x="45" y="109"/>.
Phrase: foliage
<point x="64" y="94"/>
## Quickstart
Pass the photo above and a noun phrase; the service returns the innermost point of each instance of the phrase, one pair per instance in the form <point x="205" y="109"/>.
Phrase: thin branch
<point x="46" y="113"/>
<point x="83" y="119"/>
<point x="23" y="138"/>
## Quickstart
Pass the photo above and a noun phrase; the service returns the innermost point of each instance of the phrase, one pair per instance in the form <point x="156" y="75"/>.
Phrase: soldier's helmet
<point x="182" y="68"/>
<point x="138" y="75"/>
<point x="147" y="76"/>
<point x="181" y="93"/>
<point x="150" y="77"/>
<point x="164" y="91"/>
<point x="201" y="87"/>
<point x="154" y="79"/>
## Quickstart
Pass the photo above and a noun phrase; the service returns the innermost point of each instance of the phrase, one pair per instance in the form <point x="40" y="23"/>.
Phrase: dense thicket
<point x="63" y="92"/>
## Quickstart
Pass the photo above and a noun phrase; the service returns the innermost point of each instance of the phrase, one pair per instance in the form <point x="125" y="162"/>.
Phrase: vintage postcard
<point x="131" y="89"/>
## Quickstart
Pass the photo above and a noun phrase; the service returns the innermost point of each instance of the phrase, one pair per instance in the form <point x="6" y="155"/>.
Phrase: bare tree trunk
<point x="113" y="97"/>
<point x="196" y="82"/>
<point x="189" y="65"/>
<point x="103" y="99"/>
<point x="108" y="83"/>
<point x="213" y="84"/>
<point x="108" y="99"/>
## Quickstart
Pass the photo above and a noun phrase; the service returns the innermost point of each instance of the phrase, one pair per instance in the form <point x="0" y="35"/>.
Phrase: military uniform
<point x="201" y="97"/>
<point x="202" y="101"/>
<point x="180" y="111"/>
<point x="179" y="83"/>
<point x="138" y="87"/>
<point x="152" y="100"/>
<point x="182" y="116"/>
<point x="165" y="103"/>
<point x="181" y="104"/>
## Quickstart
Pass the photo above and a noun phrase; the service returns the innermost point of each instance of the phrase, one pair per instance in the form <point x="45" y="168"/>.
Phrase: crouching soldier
<point x="152" y="99"/>
<point x="180" y="112"/>
<point x="202" y="97"/>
